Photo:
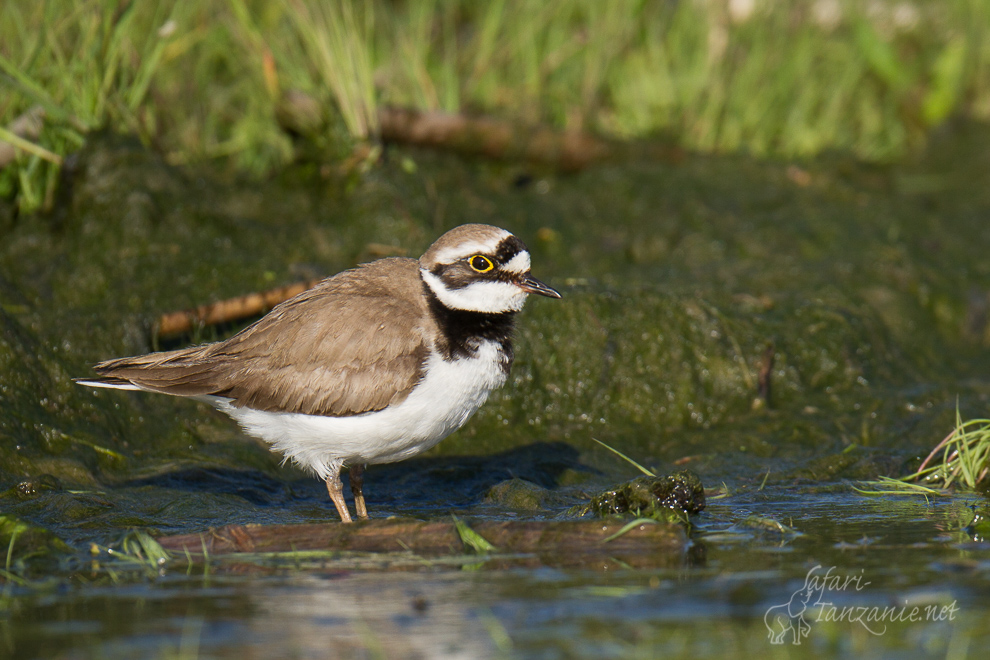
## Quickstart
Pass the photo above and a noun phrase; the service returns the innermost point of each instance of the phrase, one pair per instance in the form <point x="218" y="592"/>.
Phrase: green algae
<point x="522" y="495"/>
<point x="654" y="497"/>
<point x="48" y="426"/>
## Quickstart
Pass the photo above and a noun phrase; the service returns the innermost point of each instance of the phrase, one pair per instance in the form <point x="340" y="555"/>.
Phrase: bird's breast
<point x="449" y="392"/>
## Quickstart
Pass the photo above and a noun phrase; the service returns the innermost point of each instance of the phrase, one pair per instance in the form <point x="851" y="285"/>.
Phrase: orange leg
<point x="336" y="489"/>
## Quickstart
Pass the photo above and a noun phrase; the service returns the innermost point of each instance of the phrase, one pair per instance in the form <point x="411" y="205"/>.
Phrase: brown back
<point x="356" y="342"/>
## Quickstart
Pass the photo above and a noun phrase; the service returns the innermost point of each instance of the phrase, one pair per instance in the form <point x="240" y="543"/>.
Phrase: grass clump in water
<point x="961" y="461"/>
<point x="964" y="460"/>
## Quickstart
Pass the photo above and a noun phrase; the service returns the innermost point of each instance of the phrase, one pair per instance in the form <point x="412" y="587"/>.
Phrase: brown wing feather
<point x="355" y="343"/>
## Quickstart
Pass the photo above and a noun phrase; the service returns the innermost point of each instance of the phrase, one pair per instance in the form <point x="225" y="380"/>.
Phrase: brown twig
<point x="766" y="373"/>
<point x="223" y="311"/>
<point x="941" y="445"/>
<point x="492" y="138"/>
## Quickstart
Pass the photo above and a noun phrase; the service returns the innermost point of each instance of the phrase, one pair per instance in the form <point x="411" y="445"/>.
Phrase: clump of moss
<point x="521" y="495"/>
<point x="652" y="496"/>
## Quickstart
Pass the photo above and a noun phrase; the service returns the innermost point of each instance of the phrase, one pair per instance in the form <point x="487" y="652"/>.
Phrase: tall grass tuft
<point x="961" y="457"/>
<point x="338" y="39"/>
<point x="961" y="460"/>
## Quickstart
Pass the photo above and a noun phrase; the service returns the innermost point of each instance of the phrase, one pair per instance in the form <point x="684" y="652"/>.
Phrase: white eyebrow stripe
<point x="518" y="264"/>
<point x="454" y="254"/>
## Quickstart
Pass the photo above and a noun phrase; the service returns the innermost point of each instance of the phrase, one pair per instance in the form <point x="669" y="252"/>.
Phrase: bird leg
<point x="336" y="489"/>
<point x="356" y="476"/>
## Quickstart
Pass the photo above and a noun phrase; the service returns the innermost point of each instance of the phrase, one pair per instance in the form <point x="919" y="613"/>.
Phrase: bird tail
<point x="180" y="373"/>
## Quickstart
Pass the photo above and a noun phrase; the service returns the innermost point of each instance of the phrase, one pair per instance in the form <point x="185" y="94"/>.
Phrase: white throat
<point x="488" y="297"/>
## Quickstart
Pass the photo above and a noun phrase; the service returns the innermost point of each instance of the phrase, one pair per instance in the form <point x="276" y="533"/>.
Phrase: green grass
<point x="962" y="458"/>
<point x="471" y="539"/>
<point x="648" y="472"/>
<point x="960" y="461"/>
<point x="208" y="80"/>
<point x="628" y="527"/>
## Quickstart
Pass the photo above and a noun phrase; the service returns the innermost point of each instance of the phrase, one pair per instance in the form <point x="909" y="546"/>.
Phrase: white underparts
<point x="449" y="393"/>
<point x="487" y="296"/>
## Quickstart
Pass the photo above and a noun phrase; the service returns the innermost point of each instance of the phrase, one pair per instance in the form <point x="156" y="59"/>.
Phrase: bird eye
<point x="480" y="264"/>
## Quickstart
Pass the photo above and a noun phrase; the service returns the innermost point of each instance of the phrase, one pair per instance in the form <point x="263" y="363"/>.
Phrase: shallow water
<point x="869" y="284"/>
<point x="872" y="563"/>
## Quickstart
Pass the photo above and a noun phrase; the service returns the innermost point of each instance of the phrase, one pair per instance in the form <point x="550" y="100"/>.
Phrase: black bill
<point x="530" y="284"/>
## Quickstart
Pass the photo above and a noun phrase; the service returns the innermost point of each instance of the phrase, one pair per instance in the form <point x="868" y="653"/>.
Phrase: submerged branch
<point x="570" y="542"/>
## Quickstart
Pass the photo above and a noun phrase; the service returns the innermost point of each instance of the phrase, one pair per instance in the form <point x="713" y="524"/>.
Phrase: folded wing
<point x="355" y="343"/>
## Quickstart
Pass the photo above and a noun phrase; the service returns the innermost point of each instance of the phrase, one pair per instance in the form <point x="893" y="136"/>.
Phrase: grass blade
<point x="471" y="538"/>
<point x="28" y="146"/>
<point x="646" y="471"/>
<point x="628" y="527"/>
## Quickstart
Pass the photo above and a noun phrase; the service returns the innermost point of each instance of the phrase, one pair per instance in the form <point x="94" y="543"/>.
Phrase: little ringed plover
<point x="372" y="365"/>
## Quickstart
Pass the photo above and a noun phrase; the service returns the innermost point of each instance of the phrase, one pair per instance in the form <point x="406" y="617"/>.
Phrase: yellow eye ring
<point x="480" y="264"/>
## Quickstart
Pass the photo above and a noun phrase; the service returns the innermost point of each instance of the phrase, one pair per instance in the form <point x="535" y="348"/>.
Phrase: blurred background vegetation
<point x="240" y="81"/>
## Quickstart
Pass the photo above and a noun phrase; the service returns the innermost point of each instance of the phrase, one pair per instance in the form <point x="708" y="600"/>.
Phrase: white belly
<point x="446" y="397"/>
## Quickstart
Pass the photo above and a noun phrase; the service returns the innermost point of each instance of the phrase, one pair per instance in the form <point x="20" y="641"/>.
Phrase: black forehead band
<point x="507" y="248"/>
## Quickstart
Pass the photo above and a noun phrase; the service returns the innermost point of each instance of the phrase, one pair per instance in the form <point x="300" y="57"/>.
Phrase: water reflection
<point x="395" y="615"/>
